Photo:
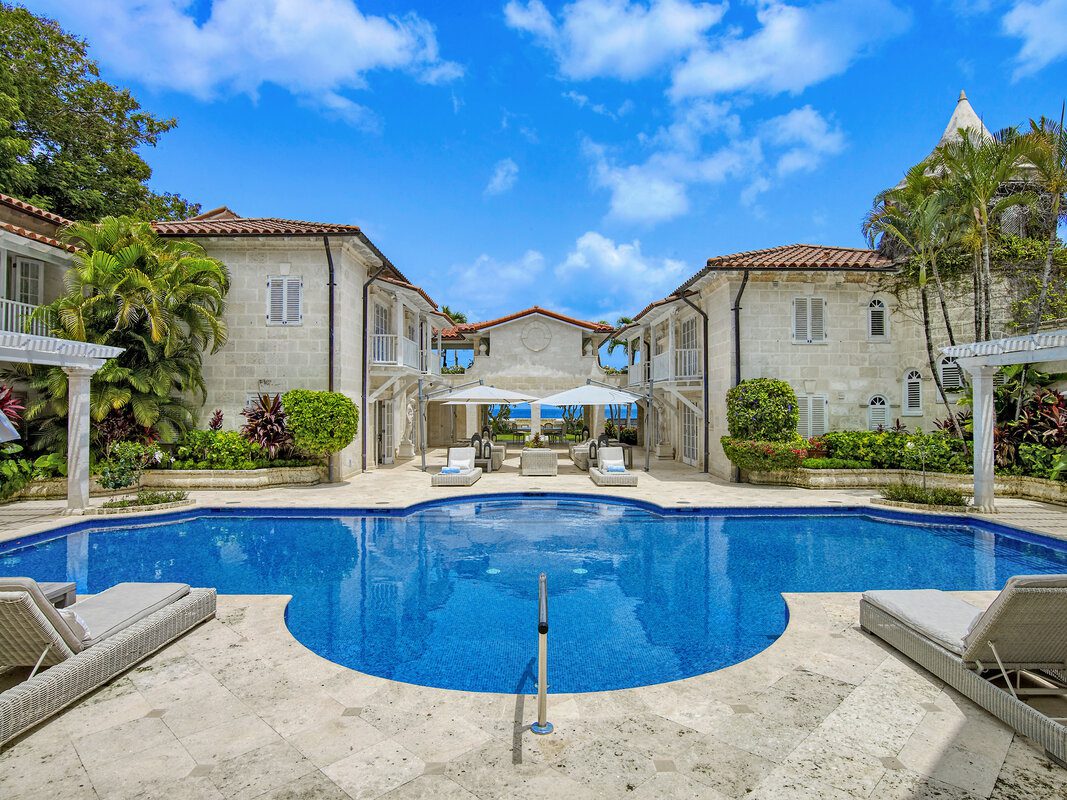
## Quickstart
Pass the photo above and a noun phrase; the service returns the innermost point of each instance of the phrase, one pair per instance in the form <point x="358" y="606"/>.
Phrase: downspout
<point x="737" y="347"/>
<point x="704" y="316"/>
<point x="363" y="382"/>
<point x="332" y="288"/>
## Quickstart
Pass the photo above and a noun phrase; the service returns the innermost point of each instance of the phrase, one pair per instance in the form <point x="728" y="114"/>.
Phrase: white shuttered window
<point x="877" y="413"/>
<point x="877" y="321"/>
<point x="809" y="320"/>
<point x="285" y="298"/>
<point x="951" y="374"/>
<point x="912" y="393"/>
<point x="814" y="410"/>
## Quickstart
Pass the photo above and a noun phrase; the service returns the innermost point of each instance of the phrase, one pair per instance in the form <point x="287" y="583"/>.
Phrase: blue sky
<point x="585" y="156"/>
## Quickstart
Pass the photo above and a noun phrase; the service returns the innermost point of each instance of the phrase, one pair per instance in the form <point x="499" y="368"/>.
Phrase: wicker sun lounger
<point x="468" y="475"/>
<point x="86" y="645"/>
<point x="1022" y="632"/>
<point x="613" y="457"/>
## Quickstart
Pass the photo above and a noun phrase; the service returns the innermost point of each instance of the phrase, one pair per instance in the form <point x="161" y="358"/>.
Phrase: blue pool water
<point x="446" y="594"/>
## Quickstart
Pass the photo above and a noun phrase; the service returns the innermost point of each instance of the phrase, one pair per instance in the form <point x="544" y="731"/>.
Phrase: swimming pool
<point x="445" y="594"/>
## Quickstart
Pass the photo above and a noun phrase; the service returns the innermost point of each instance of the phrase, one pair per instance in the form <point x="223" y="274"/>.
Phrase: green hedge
<point x="764" y="456"/>
<point x="910" y="493"/>
<point x="321" y="422"/>
<point x="890" y="450"/>
<point x="834" y="463"/>
<point x="763" y="410"/>
<point x="218" y="450"/>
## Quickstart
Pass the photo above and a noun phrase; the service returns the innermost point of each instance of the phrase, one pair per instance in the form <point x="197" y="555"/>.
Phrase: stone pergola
<point x="982" y="360"/>
<point x="80" y="360"/>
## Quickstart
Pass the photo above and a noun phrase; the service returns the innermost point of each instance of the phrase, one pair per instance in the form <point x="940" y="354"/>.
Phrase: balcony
<point x="687" y="364"/>
<point x="384" y="352"/>
<point x="15" y="317"/>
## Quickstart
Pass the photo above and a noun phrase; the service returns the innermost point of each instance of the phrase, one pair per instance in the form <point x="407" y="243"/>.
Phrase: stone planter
<point x="881" y="501"/>
<point x="1004" y="485"/>
<point x="538" y="461"/>
<point x="54" y="488"/>
<point x="103" y="512"/>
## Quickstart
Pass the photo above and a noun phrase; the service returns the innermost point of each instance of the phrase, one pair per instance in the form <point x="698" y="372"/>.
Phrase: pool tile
<point x="375" y="770"/>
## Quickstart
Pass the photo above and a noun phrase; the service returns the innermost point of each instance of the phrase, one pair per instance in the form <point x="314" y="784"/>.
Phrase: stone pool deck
<point x="238" y="709"/>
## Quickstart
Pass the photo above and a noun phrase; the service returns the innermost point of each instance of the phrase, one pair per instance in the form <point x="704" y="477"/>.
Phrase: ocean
<point x="554" y="412"/>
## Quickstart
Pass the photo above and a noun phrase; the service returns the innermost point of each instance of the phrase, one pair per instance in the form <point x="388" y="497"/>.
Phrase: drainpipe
<point x="332" y="288"/>
<point x="363" y="387"/>
<point x="704" y="316"/>
<point x="737" y="347"/>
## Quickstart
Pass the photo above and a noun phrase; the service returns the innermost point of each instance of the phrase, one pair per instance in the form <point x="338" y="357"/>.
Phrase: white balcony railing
<point x="687" y="364"/>
<point x="15" y="318"/>
<point x="635" y="375"/>
<point x="383" y="350"/>
<point x="661" y="366"/>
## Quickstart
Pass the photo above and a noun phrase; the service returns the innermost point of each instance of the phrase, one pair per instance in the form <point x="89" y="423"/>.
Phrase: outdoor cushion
<point x="608" y="463"/>
<point x="114" y="609"/>
<point x="72" y="638"/>
<point x="76" y="623"/>
<point x="450" y="471"/>
<point x="932" y="613"/>
<point x="615" y="468"/>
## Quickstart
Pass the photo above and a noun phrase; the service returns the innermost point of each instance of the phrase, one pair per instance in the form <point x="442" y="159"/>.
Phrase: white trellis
<point x="79" y="360"/>
<point x="982" y="360"/>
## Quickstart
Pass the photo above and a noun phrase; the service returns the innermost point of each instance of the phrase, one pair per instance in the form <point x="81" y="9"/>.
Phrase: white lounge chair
<point x="461" y="458"/>
<point x="86" y="644"/>
<point x="611" y="457"/>
<point x="1024" y="631"/>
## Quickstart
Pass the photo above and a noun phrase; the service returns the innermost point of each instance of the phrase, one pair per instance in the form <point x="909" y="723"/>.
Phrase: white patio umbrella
<point x="485" y="396"/>
<point x="591" y="395"/>
<point x="8" y="432"/>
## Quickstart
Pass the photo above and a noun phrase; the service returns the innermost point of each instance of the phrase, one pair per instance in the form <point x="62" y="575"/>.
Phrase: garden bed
<point x="1004" y="485"/>
<point x="211" y="479"/>
<point x="881" y="501"/>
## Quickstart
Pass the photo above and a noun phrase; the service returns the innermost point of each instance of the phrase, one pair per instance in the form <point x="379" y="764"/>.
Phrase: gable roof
<point x="32" y="210"/>
<point x="457" y="331"/>
<point x="797" y="258"/>
<point x="33" y="216"/>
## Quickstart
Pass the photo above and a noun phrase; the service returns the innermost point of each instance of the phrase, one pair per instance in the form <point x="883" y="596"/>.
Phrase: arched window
<point x="877" y="413"/>
<point x="877" y="321"/>
<point x="951" y="374"/>
<point x="913" y="394"/>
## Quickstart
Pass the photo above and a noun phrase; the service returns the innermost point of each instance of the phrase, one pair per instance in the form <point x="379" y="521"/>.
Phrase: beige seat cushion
<point x="934" y="614"/>
<point x="122" y="605"/>
<point x="72" y="638"/>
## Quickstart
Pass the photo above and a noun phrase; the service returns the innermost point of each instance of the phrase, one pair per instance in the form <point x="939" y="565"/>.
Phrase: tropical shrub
<point x="534" y="442"/>
<point x="217" y="450"/>
<point x="11" y="406"/>
<point x="215" y="423"/>
<point x="15" y="471"/>
<point x="266" y="425"/>
<point x="889" y="450"/>
<point x="755" y="456"/>
<point x="1038" y="461"/>
<point x="147" y="497"/>
<point x="321" y="422"/>
<point x="628" y="435"/>
<point x="909" y="493"/>
<point x="124" y="465"/>
<point x="50" y="465"/>
<point x="834" y="463"/>
<point x="120" y="426"/>
<point x="762" y="409"/>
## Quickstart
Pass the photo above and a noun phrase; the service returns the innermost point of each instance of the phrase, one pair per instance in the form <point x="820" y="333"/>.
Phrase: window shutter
<point x="913" y="393"/>
<point x="275" y="301"/>
<point x="804" y="416"/>
<point x="816" y="330"/>
<point x="998" y="378"/>
<point x="876" y="318"/>
<point x="294" y="290"/>
<point x="951" y="375"/>
<point x="877" y="413"/>
<point x="800" y="319"/>
<point x="818" y="415"/>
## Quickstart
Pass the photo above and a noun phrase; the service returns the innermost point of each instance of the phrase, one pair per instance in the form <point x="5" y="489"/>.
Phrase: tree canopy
<point x="69" y="140"/>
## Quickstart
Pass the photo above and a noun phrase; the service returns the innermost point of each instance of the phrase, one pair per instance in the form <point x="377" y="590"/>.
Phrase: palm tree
<point x="1046" y="152"/>
<point x="975" y="171"/>
<point x="923" y="228"/>
<point x="614" y="343"/>
<point x="459" y="318"/>
<point x="162" y="300"/>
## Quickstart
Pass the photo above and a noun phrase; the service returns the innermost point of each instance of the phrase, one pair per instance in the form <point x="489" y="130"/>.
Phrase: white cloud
<point x="615" y="38"/>
<point x="505" y="173"/>
<point x="793" y="48"/>
<point x="1042" y="25"/>
<point x="609" y="276"/>
<point x="707" y="145"/>
<point x="316" y="49"/>
<point x="583" y="101"/>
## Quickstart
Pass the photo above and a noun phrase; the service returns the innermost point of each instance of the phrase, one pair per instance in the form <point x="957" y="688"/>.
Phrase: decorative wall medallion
<point x="536" y="336"/>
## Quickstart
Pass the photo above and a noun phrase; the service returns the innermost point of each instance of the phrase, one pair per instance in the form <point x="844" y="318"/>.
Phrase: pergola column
<point x="984" y="421"/>
<point x="78" y="381"/>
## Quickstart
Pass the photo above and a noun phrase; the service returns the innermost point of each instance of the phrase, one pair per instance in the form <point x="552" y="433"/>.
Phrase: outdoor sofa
<point x="610" y="469"/>
<point x="86" y="644"/>
<point x="1020" y="641"/>
<point x="460" y="459"/>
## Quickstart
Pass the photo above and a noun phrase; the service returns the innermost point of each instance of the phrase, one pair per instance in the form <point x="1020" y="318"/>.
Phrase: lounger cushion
<point x="450" y="471"/>
<point x="934" y="614"/>
<point x="76" y="623"/>
<point x="122" y="605"/>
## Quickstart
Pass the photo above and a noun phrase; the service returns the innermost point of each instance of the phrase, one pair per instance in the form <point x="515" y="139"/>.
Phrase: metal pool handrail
<point x="542" y="725"/>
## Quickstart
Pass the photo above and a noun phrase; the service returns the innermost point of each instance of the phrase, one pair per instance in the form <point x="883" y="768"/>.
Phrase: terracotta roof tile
<point x="596" y="327"/>
<point x="412" y="287"/>
<point x="797" y="257"/>
<point x="29" y="208"/>
<point x="37" y="237"/>
<point x="251" y="226"/>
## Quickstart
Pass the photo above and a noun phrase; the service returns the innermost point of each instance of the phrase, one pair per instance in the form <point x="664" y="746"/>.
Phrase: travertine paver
<point x="201" y="719"/>
<point x="238" y="709"/>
